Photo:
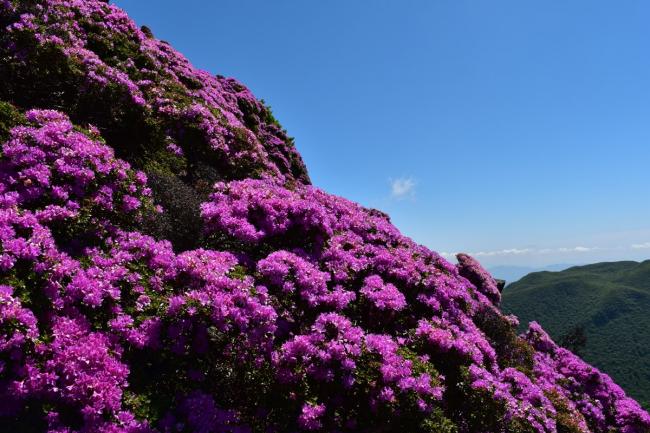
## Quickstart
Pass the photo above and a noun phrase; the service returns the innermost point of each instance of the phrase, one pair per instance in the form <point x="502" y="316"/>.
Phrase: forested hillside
<point x="611" y="301"/>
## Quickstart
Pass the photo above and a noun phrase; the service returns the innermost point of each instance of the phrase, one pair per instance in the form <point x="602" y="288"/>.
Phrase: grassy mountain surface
<point x="610" y="300"/>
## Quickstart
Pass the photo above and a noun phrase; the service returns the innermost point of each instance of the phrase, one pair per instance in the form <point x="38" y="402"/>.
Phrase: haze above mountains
<point x="511" y="273"/>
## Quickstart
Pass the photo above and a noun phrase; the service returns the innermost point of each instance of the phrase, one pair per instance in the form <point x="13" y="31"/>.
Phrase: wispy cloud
<point x="578" y="249"/>
<point x="402" y="188"/>
<point x="523" y="251"/>
<point x="505" y="252"/>
<point x="641" y="246"/>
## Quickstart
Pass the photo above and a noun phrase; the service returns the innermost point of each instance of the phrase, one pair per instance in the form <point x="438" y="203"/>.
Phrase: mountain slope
<point x="514" y="273"/>
<point x="611" y="301"/>
<point x="166" y="266"/>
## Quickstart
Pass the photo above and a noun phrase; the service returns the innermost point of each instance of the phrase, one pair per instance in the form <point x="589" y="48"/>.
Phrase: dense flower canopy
<point x="290" y="310"/>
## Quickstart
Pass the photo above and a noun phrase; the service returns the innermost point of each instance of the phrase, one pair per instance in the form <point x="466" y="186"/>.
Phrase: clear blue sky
<point x="518" y="130"/>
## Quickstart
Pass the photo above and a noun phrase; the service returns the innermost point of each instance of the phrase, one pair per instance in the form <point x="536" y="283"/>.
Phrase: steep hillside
<point x="165" y="266"/>
<point x="184" y="127"/>
<point x="611" y="301"/>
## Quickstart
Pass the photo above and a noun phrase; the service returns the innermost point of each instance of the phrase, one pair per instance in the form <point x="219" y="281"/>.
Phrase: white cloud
<point x="577" y="249"/>
<point x="506" y="252"/>
<point x="402" y="187"/>
<point x="641" y="246"/>
<point x="528" y="251"/>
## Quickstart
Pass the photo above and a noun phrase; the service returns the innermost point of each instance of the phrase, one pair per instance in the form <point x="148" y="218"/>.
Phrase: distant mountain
<point x="514" y="273"/>
<point x="611" y="301"/>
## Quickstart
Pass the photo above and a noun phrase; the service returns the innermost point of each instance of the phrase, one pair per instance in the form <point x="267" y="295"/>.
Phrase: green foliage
<point x="268" y="116"/>
<point x="575" y="339"/>
<point x="610" y="301"/>
<point x="565" y="419"/>
<point x="512" y="350"/>
<point x="9" y="117"/>
<point x="437" y="422"/>
<point x="403" y="415"/>
<point x="180" y="222"/>
<point x="490" y="416"/>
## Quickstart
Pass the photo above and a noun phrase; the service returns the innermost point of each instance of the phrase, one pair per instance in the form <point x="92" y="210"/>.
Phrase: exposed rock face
<point x="276" y="307"/>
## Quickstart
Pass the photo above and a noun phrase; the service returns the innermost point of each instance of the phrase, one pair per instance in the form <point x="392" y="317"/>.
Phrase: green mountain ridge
<point x="611" y="300"/>
<point x="511" y="273"/>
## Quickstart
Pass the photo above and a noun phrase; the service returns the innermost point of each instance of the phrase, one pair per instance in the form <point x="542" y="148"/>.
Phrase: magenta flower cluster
<point x="152" y="78"/>
<point x="385" y="283"/>
<point x="47" y="161"/>
<point x="300" y="311"/>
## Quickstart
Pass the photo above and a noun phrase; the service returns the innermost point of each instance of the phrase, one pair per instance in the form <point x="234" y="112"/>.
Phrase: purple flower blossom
<point x="309" y="419"/>
<point x="382" y="296"/>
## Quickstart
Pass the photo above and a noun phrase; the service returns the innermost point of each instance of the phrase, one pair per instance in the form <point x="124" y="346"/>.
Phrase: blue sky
<point x="515" y="130"/>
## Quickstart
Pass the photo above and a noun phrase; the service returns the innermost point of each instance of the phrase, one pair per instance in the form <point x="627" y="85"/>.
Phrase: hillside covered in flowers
<point x="166" y="266"/>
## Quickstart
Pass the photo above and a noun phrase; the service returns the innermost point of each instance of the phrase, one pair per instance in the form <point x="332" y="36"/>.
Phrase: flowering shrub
<point x="289" y="309"/>
<point x="469" y="268"/>
<point x="85" y="54"/>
